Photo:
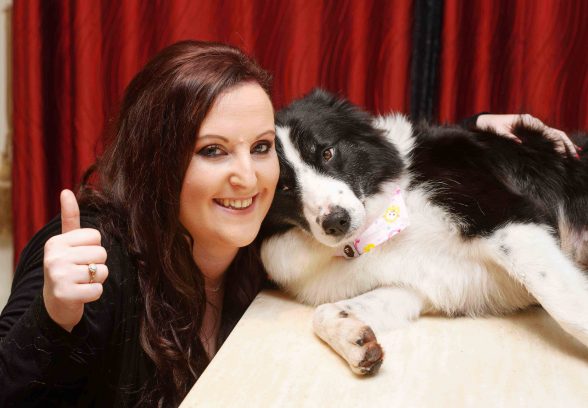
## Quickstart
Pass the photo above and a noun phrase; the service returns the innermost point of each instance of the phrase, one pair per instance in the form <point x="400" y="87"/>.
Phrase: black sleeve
<point x="470" y="123"/>
<point x="38" y="358"/>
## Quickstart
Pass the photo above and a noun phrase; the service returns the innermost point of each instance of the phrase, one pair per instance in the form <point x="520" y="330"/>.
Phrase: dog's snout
<point x="337" y="222"/>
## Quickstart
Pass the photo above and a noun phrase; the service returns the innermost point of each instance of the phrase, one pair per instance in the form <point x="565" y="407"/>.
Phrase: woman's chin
<point x="242" y="239"/>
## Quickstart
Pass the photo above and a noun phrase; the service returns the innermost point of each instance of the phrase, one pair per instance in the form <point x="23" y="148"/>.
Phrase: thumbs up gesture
<point x="73" y="267"/>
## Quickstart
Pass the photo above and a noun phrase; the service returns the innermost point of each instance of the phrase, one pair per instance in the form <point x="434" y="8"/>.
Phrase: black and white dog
<point x="455" y="221"/>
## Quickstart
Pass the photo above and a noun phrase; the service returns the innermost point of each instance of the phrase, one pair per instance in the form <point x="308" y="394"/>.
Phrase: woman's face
<point x="231" y="179"/>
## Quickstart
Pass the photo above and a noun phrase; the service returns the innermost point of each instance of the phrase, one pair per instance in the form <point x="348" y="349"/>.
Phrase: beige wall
<point x="6" y="264"/>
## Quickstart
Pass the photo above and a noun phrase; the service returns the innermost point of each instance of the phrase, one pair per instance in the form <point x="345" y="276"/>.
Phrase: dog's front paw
<point x="350" y="337"/>
<point x="371" y="353"/>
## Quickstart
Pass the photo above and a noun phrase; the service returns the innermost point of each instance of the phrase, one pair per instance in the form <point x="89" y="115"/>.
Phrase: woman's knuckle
<point x="99" y="289"/>
<point x="96" y="236"/>
<point x="51" y="243"/>
<point x="58" y="292"/>
<point x="51" y="261"/>
<point x="101" y="253"/>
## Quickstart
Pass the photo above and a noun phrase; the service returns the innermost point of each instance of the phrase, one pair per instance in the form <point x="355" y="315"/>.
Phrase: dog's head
<point x="332" y="161"/>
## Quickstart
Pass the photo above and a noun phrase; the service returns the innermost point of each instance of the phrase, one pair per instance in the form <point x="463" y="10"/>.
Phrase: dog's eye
<point x="328" y="154"/>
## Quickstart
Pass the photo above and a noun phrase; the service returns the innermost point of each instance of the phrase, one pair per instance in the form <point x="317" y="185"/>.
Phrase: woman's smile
<point x="239" y="204"/>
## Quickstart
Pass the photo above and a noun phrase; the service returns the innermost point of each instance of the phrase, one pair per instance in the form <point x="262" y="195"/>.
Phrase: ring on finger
<point x="92" y="269"/>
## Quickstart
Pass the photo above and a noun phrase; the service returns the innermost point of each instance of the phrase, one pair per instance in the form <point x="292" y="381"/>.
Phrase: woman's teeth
<point x="235" y="204"/>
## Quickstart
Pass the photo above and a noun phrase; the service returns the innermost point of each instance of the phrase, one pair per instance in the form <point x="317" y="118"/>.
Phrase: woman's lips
<point x="238" y="204"/>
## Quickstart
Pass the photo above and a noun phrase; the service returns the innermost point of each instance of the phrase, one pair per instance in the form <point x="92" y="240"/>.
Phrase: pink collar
<point x="391" y="222"/>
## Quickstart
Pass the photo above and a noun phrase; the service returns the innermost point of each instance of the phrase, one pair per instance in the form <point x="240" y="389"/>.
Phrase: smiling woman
<point x="224" y="210"/>
<point x="129" y="309"/>
<point x="235" y="151"/>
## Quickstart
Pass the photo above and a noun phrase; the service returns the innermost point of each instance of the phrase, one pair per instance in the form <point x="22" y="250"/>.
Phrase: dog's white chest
<point x="456" y="276"/>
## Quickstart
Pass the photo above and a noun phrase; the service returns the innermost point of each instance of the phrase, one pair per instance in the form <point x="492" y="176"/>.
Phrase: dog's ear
<point x="322" y="95"/>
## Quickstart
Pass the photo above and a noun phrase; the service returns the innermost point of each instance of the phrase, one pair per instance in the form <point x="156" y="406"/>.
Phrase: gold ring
<point x="92" y="269"/>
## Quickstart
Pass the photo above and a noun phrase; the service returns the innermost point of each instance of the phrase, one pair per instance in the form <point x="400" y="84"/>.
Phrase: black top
<point x="100" y="363"/>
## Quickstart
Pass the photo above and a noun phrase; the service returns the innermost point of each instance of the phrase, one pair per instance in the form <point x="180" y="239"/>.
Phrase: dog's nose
<point x="337" y="222"/>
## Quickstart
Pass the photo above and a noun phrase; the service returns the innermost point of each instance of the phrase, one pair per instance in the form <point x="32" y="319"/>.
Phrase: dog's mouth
<point x="235" y="204"/>
<point x="334" y="241"/>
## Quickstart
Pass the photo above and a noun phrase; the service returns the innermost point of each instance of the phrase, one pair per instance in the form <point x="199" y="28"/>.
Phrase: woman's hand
<point x="69" y="282"/>
<point x="503" y="125"/>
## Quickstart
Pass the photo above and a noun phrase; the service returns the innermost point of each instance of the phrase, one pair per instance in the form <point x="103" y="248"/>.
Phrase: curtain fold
<point x="528" y="56"/>
<point x="447" y="60"/>
<point x="73" y="58"/>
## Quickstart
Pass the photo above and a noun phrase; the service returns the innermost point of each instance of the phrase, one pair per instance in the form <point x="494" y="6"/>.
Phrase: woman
<point x="179" y="196"/>
<point x="130" y="308"/>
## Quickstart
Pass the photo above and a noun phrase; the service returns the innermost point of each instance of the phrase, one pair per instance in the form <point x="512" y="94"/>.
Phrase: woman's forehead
<point x="244" y="109"/>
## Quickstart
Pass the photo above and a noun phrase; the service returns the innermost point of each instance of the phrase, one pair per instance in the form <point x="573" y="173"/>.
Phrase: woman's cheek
<point x="274" y="171"/>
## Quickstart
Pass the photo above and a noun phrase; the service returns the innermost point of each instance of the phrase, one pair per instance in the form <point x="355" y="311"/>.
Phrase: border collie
<point x="378" y="221"/>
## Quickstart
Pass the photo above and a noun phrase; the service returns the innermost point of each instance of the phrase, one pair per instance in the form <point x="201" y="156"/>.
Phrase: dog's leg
<point x="532" y="256"/>
<point x="346" y="326"/>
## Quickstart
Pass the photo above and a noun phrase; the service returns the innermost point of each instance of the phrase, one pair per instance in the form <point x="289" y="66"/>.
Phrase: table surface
<point x="273" y="359"/>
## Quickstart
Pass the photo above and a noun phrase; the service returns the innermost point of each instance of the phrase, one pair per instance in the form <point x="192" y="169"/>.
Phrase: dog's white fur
<point x="321" y="193"/>
<point x="428" y="267"/>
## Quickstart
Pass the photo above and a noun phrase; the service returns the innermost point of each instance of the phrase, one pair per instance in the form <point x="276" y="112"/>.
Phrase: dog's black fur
<point x="487" y="181"/>
<point x="482" y="179"/>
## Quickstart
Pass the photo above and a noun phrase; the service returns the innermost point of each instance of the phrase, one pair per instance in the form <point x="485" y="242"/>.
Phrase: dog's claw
<point x="373" y="369"/>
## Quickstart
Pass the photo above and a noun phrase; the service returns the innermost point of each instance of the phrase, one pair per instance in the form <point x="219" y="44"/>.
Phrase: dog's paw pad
<point x="366" y="335"/>
<point x="373" y="355"/>
<point x="373" y="358"/>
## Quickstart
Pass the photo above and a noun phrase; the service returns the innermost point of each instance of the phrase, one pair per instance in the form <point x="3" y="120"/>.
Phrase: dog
<point x="377" y="221"/>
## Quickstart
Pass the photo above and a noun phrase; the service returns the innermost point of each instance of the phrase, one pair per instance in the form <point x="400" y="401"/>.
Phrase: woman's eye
<point x="261" y="148"/>
<point x="328" y="154"/>
<point x="211" y="151"/>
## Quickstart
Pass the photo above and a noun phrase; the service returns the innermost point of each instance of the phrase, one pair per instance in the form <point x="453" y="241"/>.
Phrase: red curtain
<point x="72" y="60"/>
<point x="515" y="56"/>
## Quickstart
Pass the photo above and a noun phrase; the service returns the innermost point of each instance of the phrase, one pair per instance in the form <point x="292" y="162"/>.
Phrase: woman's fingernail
<point x="577" y="156"/>
<point x="579" y="148"/>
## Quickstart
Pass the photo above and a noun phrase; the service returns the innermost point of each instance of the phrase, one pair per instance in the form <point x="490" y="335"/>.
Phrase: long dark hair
<point x="136" y="186"/>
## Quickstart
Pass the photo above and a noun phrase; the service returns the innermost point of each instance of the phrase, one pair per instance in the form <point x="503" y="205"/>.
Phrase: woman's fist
<point x="69" y="283"/>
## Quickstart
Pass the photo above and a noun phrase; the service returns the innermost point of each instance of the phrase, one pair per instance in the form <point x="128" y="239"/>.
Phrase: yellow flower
<point x="368" y="248"/>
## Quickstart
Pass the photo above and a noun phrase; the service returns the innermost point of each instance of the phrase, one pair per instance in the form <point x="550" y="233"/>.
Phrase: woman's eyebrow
<point x="212" y="136"/>
<point x="267" y="132"/>
<point x="226" y="140"/>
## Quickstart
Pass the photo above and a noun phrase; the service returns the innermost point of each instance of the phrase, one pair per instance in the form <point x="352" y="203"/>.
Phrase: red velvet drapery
<point x="508" y="56"/>
<point x="72" y="60"/>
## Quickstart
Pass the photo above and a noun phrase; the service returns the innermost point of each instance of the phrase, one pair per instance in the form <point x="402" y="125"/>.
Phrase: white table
<point x="273" y="359"/>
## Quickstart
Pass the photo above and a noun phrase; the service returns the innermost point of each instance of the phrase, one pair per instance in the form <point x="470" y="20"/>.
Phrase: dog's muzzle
<point x="337" y="222"/>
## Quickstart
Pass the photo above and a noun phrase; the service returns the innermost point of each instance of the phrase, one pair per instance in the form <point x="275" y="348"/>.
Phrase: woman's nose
<point x="243" y="173"/>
